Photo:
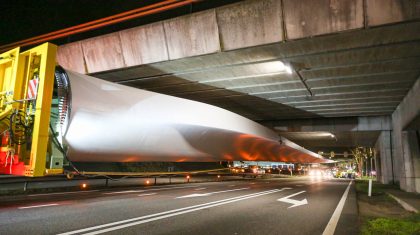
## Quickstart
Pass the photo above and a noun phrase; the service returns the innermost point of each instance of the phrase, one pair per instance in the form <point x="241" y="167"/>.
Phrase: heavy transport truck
<point x="51" y="117"/>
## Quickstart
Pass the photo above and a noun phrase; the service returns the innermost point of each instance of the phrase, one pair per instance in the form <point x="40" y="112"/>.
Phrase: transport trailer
<point x="51" y="117"/>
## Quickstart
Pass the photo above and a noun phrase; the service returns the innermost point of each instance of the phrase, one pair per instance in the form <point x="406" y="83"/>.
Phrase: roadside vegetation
<point x="407" y="225"/>
<point x="381" y="214"/>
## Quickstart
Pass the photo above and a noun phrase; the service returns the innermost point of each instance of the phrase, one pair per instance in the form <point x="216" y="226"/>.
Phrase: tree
<point x="361" y="155"/>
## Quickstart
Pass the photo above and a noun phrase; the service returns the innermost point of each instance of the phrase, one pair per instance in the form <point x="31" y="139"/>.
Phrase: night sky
<point x="21" y="19"/>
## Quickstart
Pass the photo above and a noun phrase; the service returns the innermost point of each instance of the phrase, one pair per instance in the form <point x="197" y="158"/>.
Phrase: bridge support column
<point x="410" y="167"/>
<point x="406" y="132"/>
<point x="384" y="159"/>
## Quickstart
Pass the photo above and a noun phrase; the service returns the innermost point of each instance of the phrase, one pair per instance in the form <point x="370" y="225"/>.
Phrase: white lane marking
<point x="292" y="201"/>
<point x="198" y="189"/>
<point x="127" y="191"/>
<point x="45" y="205"/>
<point x="210" y="193"/>
<point x="163" y="213"/>
<point x="332" y="224"/>
<point x="174" y="186"/>
<point x="252" y="183"/>
<point x="146" y="194"/>
<point x="232" y="185"/>
<point x="159" y="189"/>
<point x="147" y="190"/>
<point x="182" y="212"/>
<point x="45" y="194"/>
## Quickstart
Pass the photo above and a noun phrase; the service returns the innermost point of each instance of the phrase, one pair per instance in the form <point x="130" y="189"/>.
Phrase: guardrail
<point x="56" y="183"/>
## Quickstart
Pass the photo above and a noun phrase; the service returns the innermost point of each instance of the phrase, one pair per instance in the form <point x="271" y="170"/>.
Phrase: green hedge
<point x="406" y="226"/>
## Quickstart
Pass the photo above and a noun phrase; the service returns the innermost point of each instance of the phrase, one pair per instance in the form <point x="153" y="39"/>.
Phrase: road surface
<point x="262" y="206"/>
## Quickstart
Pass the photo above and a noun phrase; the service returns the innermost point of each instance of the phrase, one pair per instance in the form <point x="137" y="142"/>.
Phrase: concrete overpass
<point x="355" y="70"/>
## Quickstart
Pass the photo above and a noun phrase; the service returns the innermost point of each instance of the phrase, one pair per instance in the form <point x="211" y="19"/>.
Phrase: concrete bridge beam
<point x="236" y="26"/>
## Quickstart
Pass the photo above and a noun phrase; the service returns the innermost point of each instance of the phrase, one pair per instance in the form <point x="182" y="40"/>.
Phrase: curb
<point x="404" y="204"/>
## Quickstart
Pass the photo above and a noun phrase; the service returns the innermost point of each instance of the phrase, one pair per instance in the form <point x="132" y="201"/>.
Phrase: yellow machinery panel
<point x="26" y="87"/>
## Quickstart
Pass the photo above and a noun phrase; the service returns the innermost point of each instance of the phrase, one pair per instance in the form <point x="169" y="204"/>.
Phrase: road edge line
<point x="332" y="223"/>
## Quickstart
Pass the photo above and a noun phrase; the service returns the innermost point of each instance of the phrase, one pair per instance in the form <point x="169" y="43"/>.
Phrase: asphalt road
<point x="271" y="206"/>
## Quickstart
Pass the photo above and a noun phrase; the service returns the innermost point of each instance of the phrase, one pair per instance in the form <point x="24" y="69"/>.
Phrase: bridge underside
<point x="348" y="59"/>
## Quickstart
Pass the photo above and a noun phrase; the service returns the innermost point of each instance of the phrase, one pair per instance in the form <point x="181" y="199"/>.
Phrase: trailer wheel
<point x="70" y="175"/>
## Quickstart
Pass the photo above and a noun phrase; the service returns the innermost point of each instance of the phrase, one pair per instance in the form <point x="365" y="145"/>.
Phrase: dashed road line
<point x="37" y="206"/>
<point x="126" y="191"/>
<point x="147" y="190"/>
<point x="146" y="194"/>
<point x="210" y="193"/>
<point x="62" y="193"/>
